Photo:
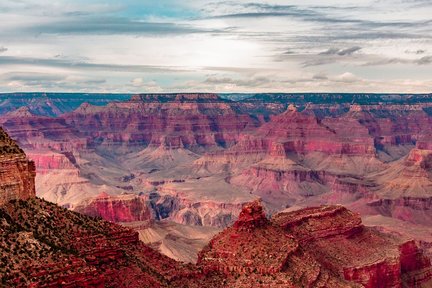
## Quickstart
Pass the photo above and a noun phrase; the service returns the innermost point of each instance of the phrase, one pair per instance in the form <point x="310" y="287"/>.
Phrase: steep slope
<point x="177" y="241"/>
<point x="60" y="247"/>
<point x="404" y="189"/>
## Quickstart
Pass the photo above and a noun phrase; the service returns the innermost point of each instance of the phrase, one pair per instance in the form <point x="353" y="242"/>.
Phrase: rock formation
<point x="178" y="120"/>
<point x="17" y="177"/>
<point x="120" y="208"/>
<point x="314" y="247"/>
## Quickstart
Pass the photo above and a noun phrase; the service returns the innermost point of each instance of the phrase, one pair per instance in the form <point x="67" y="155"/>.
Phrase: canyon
<point x="323" y="246"/>
<point x="193" y="160"/>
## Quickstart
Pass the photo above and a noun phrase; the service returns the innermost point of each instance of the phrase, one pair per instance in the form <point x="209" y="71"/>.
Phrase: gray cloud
<point x="252" y="82"/>
<point x="387" y="61"/>
<point x="63" y="63"/>
<point x="418" y="52"/>
<point x="311" y="14"/>
<point x="111" y="26"/>
<point x="33" y="77"/>
<point x="49" y="81"/>
<point x="341" y="52"/>
<point x="3" y="49"/>
<point x="424" y="60"/>
<point x="320" y="76"/>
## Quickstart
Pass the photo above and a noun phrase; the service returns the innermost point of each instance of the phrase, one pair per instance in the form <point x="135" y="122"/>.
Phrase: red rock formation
<point x="46" y="160"/>
<point x="41" y="132"/>
<point x="331" y="152"/>
<point x="175" y="120"/>
<point x="17" y="172"/>
<point x="296" y="132"/>
<point x="120" y="208"/>
<point x="72" y="250"/>
<point x="254" y="249"/>
<point x="252" y="216"/>
<point x="328" y="246"/>
<point x="338" y="240"/>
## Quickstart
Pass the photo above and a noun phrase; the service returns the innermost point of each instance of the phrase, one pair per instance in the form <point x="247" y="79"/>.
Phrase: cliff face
<point x="177" y="120"/>
<point x="121" y="208"/>
<point x="328" y="246"/>
<point x="17" y="173"/>
<point x="296" y="132"/>
<point x="35" y="132"/>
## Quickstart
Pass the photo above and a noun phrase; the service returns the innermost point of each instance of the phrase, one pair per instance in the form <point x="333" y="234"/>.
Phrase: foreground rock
<point x="315" y="247"/>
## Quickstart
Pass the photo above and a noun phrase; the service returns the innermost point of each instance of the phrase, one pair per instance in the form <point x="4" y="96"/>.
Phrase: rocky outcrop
<point x="119" y="208"/>
<point x="46" y="161"/>
<point x="315" y="223"/>
<point x="237" y="251"/>
<point x="328" y="246"/>
<point x="17" y="173"/>
<point x="252" y="216"/>
<point x="380" y="260"/>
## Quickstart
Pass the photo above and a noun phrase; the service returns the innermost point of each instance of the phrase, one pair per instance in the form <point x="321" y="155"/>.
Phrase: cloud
<point x="48" y="81"/>
<point x="341" y="52"/>
<point x="140" y="85"/>
<point x="347" y="77"/>
<point x="320" y="76"/>
<point x="253" y="82"/>
<point x="424" y="60"/>
<point x="3" y="49"/>
<point x="76" y="65"/>
<point x="111" y="26"/>
<point x="418" y="51"/>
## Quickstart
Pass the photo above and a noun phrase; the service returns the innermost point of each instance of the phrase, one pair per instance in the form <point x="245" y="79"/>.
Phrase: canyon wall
<point x="17" y="173"/>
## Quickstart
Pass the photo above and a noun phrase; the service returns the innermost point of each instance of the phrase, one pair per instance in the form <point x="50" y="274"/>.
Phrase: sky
<point x="216" y="46"/>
